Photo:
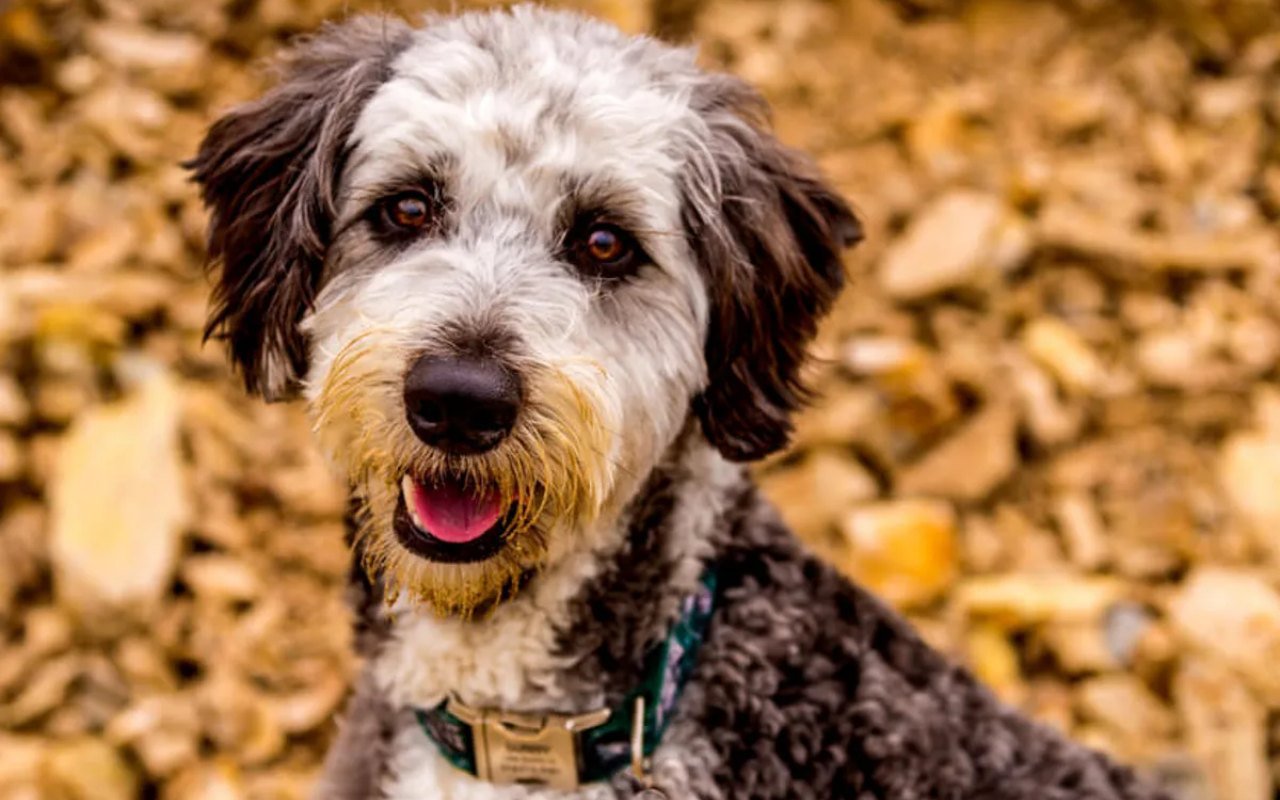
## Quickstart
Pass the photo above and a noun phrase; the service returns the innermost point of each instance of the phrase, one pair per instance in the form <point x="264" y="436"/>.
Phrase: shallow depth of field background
<point x="1049" y="428"/>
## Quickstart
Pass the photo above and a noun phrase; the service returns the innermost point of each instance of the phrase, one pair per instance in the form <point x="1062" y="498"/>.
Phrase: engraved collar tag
<point x="539" y="749"/>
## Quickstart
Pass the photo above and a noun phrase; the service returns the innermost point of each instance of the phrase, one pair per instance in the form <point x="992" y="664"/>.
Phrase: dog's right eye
<point x="604" y="251"/>
<point x="407" y="211"/>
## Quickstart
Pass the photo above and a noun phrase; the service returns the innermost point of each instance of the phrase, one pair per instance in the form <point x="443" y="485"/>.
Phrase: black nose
<point x="461" y="405"/>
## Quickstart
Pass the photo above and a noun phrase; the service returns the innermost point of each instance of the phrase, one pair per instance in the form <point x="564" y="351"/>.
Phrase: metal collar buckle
<point x="527" y="748"/>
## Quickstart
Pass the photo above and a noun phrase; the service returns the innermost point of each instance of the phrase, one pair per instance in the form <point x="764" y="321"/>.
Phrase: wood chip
<point x="1234" y="614"/>
<point x="905" y="551"/>
<point x="972" y="463"/>
<point x="1080" y="232"/>
<point x="118" y="504"/>
<point x="945" y="247"/>
<point x="1226" y="731"/>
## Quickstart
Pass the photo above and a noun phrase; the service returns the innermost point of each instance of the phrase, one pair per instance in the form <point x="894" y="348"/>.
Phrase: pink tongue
<point x="453" y="514"/>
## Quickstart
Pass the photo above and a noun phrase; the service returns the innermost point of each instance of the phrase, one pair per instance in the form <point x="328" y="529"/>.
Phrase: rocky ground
<point x="1049" y="427"/>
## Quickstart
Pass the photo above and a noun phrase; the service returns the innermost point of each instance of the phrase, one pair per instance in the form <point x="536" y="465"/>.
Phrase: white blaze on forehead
<point x="517" y="107"/>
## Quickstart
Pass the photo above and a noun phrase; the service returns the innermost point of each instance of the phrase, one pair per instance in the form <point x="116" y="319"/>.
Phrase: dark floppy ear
<point x="768" y="233"/>
<point x="268" y="172"/>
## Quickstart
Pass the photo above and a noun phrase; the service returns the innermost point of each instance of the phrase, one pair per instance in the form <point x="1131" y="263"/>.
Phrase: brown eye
<point x="606" y="251"/>
<point x="605" y="245"/>
<point x="409" y="211"/>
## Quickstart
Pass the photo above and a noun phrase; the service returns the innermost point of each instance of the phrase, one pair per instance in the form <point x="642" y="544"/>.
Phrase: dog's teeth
<point x="407" y="487"/>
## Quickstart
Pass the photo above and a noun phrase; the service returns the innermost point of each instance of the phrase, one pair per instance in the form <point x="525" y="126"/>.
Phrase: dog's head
<point x="506" y="257"/>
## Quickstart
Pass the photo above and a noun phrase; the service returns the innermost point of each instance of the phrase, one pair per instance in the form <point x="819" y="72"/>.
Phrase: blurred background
<point x="1049" y="428"/>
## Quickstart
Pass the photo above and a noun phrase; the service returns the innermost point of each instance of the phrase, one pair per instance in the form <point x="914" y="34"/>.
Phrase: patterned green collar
<point x="564" y="751"/>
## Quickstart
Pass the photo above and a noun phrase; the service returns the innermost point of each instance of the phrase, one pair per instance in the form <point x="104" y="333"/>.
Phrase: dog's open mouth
<point x="442" y="519"/>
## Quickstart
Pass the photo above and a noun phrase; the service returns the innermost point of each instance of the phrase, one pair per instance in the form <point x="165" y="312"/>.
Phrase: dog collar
<point x="564" y="751"/>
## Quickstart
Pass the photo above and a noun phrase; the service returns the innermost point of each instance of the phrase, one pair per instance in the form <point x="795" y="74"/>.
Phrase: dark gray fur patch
<point x="811" y="688"/>
<point x="629" y="608"/>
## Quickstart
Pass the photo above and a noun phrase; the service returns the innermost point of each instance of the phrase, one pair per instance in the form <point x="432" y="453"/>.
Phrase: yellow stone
<point x="1024" y="599"/>
<point x="994" y="661"/>
<point x="1060" y="349"/>
<point x="903" y="550"/>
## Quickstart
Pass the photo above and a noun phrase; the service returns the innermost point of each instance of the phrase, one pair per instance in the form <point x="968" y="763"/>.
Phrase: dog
<point x="545" y="288"/>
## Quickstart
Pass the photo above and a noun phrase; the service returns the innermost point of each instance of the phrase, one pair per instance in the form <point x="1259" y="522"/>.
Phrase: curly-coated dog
<point x="544" y="286"/>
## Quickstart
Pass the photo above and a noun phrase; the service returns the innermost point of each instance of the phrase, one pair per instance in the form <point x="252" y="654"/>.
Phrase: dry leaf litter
<point x="1049" y="426"/>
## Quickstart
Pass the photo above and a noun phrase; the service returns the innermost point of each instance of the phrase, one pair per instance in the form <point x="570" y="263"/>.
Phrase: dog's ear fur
<point x="268" y="172"/>
<point x="768" y="235"/>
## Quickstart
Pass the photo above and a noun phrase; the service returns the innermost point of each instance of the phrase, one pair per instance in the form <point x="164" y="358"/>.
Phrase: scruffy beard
<point x="550" y="476"/>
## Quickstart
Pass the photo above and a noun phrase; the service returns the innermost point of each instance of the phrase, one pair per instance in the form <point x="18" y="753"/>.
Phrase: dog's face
<point x="507" y="258"/>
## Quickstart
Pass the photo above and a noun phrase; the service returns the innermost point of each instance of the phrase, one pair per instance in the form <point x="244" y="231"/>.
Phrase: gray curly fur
<point x="816" y="689"/>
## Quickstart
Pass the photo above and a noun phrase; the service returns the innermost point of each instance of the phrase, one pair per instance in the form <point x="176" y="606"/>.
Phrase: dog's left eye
<point x="409" y="210"/>
<point x="605" y="251"/>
